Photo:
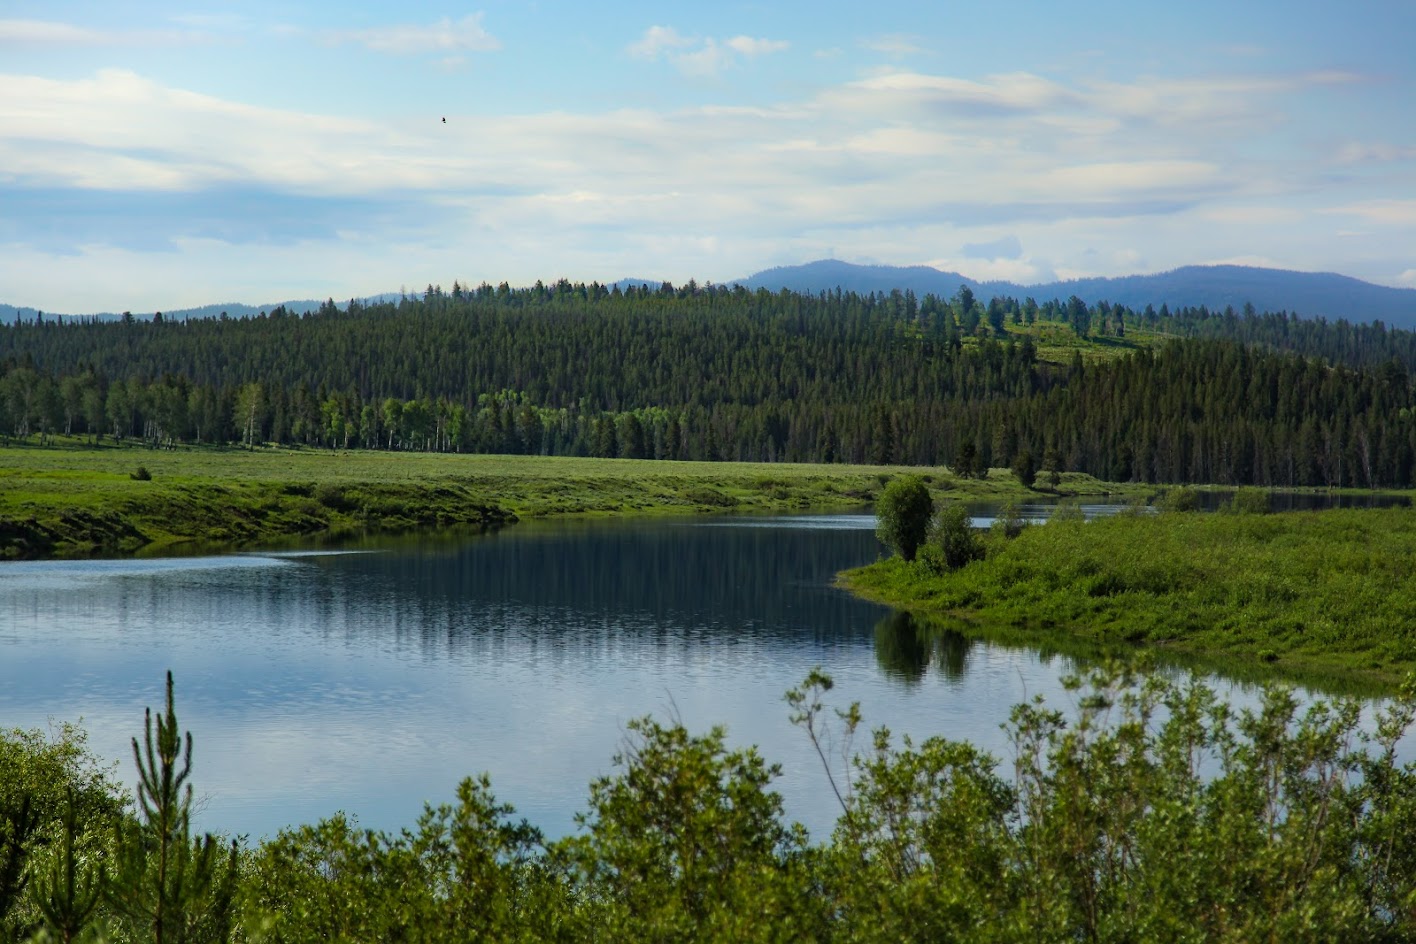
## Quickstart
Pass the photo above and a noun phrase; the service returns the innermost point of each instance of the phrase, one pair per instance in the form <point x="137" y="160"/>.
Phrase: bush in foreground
<point x="1150" y="812"/>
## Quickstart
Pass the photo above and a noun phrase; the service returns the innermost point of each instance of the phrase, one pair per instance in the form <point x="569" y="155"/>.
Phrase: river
<point x="372" y="679"/>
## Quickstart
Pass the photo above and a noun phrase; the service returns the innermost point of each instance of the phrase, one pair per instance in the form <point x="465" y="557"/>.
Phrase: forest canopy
<point x="710" y="372"/>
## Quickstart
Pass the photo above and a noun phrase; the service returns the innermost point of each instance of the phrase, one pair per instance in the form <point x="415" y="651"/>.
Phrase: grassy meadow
<point x="1329" y="592"/>
<point x="74" y="499"/>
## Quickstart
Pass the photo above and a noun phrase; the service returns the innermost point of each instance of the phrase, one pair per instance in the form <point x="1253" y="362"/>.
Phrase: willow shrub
<point x="1154" y="812"/>
<point x="1149" y="811"/>
<point x="904" y="511"/>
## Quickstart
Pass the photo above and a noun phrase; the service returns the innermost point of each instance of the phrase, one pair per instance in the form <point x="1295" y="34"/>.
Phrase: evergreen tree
<point x="173" y="886"/>
<point x="1024" y="468"/>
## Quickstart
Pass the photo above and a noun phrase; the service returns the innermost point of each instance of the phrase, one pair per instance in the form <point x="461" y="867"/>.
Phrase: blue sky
<point x="165" y="155"/>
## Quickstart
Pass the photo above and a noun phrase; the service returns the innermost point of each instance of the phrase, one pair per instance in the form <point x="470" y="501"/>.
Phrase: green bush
<point x="1147" y="811"/>
<point x="141" y="474"/>
<point x="903" y="512"/>
<point x="1010" y="521"/>
<point x="1250" y="501"/>
<point x="1135" y="508"/>
<point x="1180" y="499"/>
<point x="954" y="535"/>
<point x="333" y="497"/>
<point x="709" y="496"/>
<point x="930" y="559"/>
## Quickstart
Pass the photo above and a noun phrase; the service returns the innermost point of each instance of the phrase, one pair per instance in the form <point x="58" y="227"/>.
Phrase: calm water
<point x="372" y="681"/>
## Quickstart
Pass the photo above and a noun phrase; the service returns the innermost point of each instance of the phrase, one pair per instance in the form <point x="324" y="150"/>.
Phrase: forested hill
<point x="728" y="373"/>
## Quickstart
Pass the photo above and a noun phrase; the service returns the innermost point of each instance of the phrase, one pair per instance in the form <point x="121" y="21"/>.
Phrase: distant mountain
<point x="827" y="275"/>
<point x="1309" y="294"/>
<point x="8" y="313"/>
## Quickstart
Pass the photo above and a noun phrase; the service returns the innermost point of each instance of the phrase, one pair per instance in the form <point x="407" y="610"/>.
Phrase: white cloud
<point x="702" y="57"/>
<point x="751" y="46"/>
<point x="1376" y="152"/>
<point x="1387" y="212"/>
<point x="1407" y="278"/>
<point x="1023" y="271"/>
<point x="1018" y="91"/>
<point x="1250" y="215"/>
<point x="879" y="167"/>
<point x="49" y="32"/>
<point x="404" y="39"/>
<point x="1120" y="179"/>
<point x="119" y="131"/>
<point x="42" y="31"/>
<point x="897" y="45"/>
<point x="848" y="154"/>
<point x="1211" y="100"/>
<point x="658" y="40"/>
<point x="213" y="21"/>
<point x="901" y="140"/>
<point x="707" y="60"/>
<point x="1252" y="260"/>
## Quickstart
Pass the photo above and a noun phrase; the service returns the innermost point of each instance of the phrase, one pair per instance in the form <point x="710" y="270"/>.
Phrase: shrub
<point x="1067" y="511"/>
<point x="332" y="496"/>
<point x="709" y="496"/>
<point x="1250" y="501"/>
<point x="954" y="535"/>
<point x="930" y="559"/>
<point x="141" y="475"/>
<point x="1179" y="500"/>
<point x="1135" y="508"/>
<point x="1010" y="521"/>
<point x="904" y="510"/>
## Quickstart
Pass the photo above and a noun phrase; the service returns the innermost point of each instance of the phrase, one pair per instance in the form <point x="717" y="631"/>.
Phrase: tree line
<point x="708" y="373"/>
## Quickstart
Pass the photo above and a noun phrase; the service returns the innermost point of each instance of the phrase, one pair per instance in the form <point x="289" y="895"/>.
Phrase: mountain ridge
<point x="8" y="313"/>
<point x="1308" y="294"/>
<point x="1326" y="295"/>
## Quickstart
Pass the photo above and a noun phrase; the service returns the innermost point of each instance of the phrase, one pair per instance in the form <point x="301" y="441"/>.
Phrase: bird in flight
<point x="444" y="121"/>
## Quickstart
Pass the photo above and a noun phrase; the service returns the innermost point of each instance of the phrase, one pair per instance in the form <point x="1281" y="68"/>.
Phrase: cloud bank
<point x="115" y="170"/>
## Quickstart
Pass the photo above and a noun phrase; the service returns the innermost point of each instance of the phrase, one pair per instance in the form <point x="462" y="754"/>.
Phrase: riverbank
<point x="1307" y="592"/>
<point x="74" y="499"/>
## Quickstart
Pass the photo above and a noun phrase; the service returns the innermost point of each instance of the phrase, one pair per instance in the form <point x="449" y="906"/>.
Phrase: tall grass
<point x="76" y="499"/>
<point x="1328" y="590"/>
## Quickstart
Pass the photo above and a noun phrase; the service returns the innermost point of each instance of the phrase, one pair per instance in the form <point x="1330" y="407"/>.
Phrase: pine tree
<point x="168" y="883"/>
<point x="70" y="894"/>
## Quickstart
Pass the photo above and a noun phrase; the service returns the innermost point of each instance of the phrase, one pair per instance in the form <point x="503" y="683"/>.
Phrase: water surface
<point x="371" y="682"/>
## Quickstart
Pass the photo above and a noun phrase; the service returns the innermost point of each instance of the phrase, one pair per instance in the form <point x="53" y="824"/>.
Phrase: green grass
<point x="1327" y="592"/>
<point x="1057" y="342"/>
<point x="73" y="499"/>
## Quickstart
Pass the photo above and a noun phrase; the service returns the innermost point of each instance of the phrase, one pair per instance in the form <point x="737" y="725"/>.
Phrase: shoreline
<point x="77" y="500"/>
<point x="1317" y="597"/>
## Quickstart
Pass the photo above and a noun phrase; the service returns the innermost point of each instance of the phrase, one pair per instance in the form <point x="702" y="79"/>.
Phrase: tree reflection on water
<point x="905" y="647"/>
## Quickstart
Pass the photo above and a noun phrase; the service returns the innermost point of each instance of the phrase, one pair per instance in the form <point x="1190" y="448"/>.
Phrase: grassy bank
<point x="73" y="499"/>
<point x="1326" y="592"/>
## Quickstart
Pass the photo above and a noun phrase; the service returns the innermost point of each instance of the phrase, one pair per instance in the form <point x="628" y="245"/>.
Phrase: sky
<point x="167" y="155"/>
